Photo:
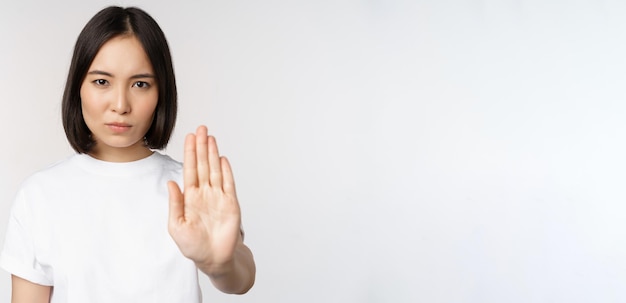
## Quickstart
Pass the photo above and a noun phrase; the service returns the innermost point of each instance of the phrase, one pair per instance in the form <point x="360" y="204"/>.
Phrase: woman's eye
<point x="101" y="82"/>
<point x="141" y="84"/>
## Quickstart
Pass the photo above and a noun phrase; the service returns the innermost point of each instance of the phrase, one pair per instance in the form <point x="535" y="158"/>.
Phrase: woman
<point x="97" y="226"/>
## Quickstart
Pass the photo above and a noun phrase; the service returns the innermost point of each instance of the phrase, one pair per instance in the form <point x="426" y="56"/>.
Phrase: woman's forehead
<point x="122" y="56"/>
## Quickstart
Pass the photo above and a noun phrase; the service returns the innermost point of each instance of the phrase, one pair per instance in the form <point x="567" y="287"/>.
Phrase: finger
<point x="228" y="179"/>
<point x="202" y="151"/>
<point x="214" y="163"/>
<point x="177" y="204"/>
<point x="190" y="170"/>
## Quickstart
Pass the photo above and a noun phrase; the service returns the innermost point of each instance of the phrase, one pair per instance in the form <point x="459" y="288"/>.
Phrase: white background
<point x="384" y="151"/>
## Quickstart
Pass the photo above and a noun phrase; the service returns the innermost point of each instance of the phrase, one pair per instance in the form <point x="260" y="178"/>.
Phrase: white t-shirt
<point x="97" y="232"/>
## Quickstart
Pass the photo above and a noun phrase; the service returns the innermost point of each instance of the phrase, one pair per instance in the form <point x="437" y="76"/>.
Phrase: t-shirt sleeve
<point x="19" y="255"/>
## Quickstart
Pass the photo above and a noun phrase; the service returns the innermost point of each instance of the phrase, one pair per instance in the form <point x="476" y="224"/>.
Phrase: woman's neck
<point x="125" y="154"/>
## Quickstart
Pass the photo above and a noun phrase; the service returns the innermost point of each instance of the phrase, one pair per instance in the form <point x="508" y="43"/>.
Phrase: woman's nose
<point x="121" y="104"/>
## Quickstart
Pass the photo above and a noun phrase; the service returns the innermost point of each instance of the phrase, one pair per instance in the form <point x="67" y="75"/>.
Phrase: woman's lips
<point x="118" y="127"/>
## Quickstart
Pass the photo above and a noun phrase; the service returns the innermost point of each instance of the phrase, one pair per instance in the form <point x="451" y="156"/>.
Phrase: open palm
<point x="205" y="218"/>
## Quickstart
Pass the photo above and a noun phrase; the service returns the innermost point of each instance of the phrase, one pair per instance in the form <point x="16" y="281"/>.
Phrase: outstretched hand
<point x="205" y="217"/>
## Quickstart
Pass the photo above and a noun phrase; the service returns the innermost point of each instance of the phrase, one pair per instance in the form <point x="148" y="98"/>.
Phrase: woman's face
<point x="118" y="97"/>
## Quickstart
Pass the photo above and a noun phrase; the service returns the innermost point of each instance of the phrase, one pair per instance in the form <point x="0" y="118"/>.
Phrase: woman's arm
<point x="25" y="291"/>
<point x="235" y="277"/>
<point x="205" y="220"/>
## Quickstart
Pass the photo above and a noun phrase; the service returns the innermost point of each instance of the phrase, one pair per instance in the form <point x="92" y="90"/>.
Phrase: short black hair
<point x="111" y="22"/>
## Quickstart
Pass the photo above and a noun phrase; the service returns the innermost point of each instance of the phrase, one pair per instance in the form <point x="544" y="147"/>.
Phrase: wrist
<point x="216" y="269"/>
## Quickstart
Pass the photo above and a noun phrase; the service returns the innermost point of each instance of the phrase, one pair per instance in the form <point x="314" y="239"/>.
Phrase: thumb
<point x="177" y="203"/>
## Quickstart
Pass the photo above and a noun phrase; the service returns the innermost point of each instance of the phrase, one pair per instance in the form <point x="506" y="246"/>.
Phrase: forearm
<point x="24" y="291"/>
<point x="236" y="277"/>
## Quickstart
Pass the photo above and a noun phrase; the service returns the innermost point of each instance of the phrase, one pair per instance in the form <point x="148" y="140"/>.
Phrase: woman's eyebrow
<point x="142" y="76"/>
<point x="99" y="72"/>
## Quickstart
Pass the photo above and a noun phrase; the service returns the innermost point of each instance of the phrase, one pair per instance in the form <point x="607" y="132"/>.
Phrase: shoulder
<point x="54" y="172"/>
<point x="170" y="169"/>
<point x="168" y="163"/>
<point x="39" y="187"/>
